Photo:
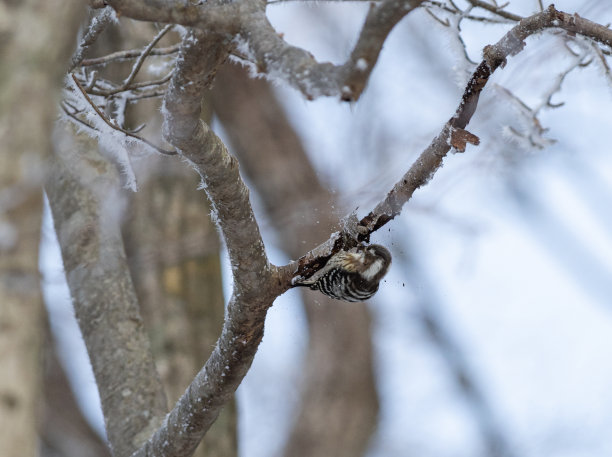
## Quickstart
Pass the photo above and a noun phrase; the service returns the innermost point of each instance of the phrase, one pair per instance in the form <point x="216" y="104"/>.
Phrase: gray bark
<point x="173" y="250"/>
<point x="339" y="404"/>
<point x="30" y="74"/>
<point x="84" y="199"/>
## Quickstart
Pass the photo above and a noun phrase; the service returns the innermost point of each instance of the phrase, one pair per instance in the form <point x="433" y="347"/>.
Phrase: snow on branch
<point x="278" y="60"/>
<point x="430" y="160"/>
<point x="256" y="284"/>
<point x="217" y="30"/>
<point x="261" y="46"/>
<point x="97" y="25"/>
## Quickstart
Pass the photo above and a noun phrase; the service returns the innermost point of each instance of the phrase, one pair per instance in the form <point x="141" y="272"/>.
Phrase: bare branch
<point x="129" y="54"/>
<point x="532" y="133"/>
<point x="338" y="379"/>
<point x="498" y="10"/>
<point x="97" y="25"/>
<point x="129" y="84"/>
<point x="273" y="56"/>
<point x="431" y="158"/>
<point x="132" y="87"/>
<point x="494" y="57"/>
<point x="444" y="22"/>
<point x="256" y="283"/>
<point x="152" y="93"/>
<point x="206" y="16"/>
<point x="602" y="60"/>
<point x="269" y="53"/>
<point x="144" y="54"/>
<point x="454" y="10"/>
<point x="117" y="127"/>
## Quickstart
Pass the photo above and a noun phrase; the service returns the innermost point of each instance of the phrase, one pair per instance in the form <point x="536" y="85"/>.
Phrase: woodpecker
<point x="351" y="275"/>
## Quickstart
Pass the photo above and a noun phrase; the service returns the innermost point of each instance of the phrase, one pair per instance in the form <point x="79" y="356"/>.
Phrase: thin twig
<point x="129" y="54"/>
<point x="134" y="86"/>
<point x="444" y="22"/>
<point x="444" y="7"/>
<point x="145" y="52"/>
<point x="496" y="10"/>
<point x="73" y="115"/>
<point x="98" y="24"/>
<point x="602" y="59"/>
<point x="462" y="15"/>
<point x="115" y="127"/>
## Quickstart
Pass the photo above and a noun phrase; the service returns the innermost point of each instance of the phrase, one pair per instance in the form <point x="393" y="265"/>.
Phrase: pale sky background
<point x="516" y="243"/>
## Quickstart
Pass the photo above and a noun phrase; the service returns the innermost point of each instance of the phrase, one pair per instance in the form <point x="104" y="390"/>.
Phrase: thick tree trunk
<point x="84" y="199"/>
<point x="339" y="404"/>
<point x="36" y="41"/>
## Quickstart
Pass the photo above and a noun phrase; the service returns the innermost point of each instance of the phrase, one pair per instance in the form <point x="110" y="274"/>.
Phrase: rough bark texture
<point x="256" y="282"/>
<point x="82" y="190"/>
<point x="263" y="48"/>
<point x="173" y="248"/>
<point x="339" y="405"/>
<point x="30" y="73"/>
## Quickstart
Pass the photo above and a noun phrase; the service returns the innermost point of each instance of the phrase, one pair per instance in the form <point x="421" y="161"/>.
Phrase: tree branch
<point x="499" y="11"/>
<point x="258" y="42"/>
<point x="276" y="58"/>
<point x="338" y="410"/>
<point x="81" y="187"/>
<point x="129" y="54"/>
<point x="143" y="55"/>
<point x="97" y="25"/>
<point x="256" y="283"/>
<point x="110" y="124"/>
<point x="431" y="158"/>
<point x="213" y="17"/>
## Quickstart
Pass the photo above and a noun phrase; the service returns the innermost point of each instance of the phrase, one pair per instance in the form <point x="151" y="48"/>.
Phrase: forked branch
<point x="256" y="282"/>
<point x="429" y="161"/>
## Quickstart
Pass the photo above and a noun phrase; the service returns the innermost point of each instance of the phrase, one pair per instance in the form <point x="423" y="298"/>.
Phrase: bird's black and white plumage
<point x="352" y="275"/>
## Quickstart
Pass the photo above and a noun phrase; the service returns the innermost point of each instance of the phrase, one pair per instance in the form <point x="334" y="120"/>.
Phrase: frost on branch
<point x="113" y="143"/>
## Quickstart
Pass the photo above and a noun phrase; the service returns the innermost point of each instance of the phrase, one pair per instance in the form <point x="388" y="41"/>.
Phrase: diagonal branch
<point x="497" y="10"/>
<point x="81" y="186"/>
<point x="97" y="25"/>
<point x="431" y="158"/>
<point x="208" y="17"/>
<point x="113" y="126"/>
<point x="260" y="45"/>
<point x="256" y="283"/>
<point x="128" y="54"/>
<point x="144" y="54"/>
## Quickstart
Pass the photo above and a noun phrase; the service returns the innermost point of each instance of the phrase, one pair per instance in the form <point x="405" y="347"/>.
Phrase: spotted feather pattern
<point x="351" y="275"/>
